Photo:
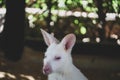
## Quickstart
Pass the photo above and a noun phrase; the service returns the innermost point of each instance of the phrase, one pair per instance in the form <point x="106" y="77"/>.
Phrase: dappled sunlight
<point x="28" y="68"/>
<point x="97" y="39"/>
<point x="27" y="77"/>
<point x="34" y="10"/>
<point x="77" y="14"/>
<point x="84" y="14"/>
<point x="86" y="40"/>
<point x="69" y="13"/>
<point x="118" y="41"/>
<point x="62" y="13"/>
<point x="1" y="28"/>
<point x="4" y="74"/>
<point x="92" y="15"/>
<point x="2" y="20"/>
<point x="111" y="16"/>
<point x="52" y="23"/>
<point x="31" y="20"/>
<point x="14" y="77"/>
<point x="114" y="36"/>
<point x="11" y="75"/>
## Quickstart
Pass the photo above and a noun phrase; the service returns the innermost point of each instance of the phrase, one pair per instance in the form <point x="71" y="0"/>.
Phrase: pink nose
<point x="47" y="69"/>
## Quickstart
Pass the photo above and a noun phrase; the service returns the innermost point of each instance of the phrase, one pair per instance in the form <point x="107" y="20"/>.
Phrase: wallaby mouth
<point x="47" y="70"/>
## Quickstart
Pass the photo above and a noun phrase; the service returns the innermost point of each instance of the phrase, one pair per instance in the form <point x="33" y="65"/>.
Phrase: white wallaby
<point x="58" y="63"/>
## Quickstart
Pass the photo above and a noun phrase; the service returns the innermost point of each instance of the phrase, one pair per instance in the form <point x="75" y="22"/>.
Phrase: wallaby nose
<point x="47" y="69"/>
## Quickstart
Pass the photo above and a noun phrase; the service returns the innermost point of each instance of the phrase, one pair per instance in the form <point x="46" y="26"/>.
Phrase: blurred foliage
<point x="112" y="5"/>
<point x="2" y="3"/>
<point x="82" y="26"/>
<point x="61" y="25"/>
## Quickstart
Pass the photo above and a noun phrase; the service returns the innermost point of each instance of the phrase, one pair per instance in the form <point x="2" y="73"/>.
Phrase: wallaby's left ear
<point x="48" y="38"/>
<point x="68" y="41"/>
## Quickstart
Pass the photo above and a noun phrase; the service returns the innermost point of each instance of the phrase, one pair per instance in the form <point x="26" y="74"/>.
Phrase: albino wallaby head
<point x="58" y="54"/>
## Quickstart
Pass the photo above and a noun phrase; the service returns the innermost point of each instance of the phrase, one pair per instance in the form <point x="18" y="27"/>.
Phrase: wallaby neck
<point x="67" y="74"/>
<point x="67" y="71"/>
<point x="71" y="73"/>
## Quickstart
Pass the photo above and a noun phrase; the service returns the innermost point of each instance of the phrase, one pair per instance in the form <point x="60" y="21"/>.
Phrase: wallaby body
<point x="58" y="63"/>
<point x="73" y="74"/>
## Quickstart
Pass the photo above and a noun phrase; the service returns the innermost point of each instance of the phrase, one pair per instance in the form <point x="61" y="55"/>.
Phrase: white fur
<point x="58" y="63"/>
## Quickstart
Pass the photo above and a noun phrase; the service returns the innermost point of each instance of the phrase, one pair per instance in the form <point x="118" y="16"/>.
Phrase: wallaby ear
<point x="48" y="38"/>
<point x="68" y="41"/>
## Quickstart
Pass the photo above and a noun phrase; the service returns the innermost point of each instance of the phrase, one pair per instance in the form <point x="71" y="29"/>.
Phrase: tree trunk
<point x="13" y="33"/>
<point x="48" y="19"/>
<point x="101" y="14"/>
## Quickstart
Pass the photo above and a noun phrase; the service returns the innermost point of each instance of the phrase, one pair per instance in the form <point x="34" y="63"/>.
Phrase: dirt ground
<point x="30" y="66"/>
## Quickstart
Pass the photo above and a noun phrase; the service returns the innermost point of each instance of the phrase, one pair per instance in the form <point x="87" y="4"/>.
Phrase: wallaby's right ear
<point x="48" y="38"/>
<point x="68" y="41"/>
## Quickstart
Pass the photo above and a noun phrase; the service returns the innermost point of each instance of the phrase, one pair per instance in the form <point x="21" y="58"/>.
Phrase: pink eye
<point x="57" y="58"/>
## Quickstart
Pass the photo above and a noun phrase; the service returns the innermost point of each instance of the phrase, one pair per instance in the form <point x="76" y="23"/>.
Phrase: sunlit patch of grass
<point x="4" y="75"/>
<point x="11" y="75"/>
<point x="28" y="77"/>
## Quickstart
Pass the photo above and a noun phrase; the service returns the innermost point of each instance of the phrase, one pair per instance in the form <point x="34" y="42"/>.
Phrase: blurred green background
<point x="92" y="21"/>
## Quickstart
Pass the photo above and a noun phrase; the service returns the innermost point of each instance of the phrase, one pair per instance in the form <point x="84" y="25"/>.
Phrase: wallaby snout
<point x="47" y="69"/>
